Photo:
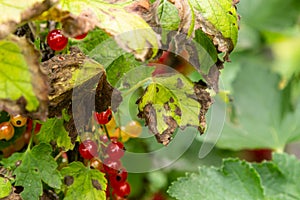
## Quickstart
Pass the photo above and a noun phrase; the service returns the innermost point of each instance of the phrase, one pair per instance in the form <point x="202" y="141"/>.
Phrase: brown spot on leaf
<point x="177" y="110"/>
<point x="68" y="180"/>
<point x="179" y="83"/>
<point x="96" y="184"/>
<point x="166" y="106"/>
<point x="166" y="136"/>
<point x="157" y="89"/>
<point x="77" y="25"/>
<point x="203" y="97"/>
<point x="171" y="100"/>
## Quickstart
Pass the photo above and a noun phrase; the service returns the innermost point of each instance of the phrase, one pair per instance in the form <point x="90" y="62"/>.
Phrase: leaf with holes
<point x="91" y="181"/>
<point x="173" y="101"/>
<point x="37" y="167"/>
<point x="53" y="130"/>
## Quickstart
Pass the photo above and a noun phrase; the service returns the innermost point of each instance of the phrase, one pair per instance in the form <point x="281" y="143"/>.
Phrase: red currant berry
<point x="115" y="150"/>
<point x="56" y="40"/>
<point x="118" y="178"/>
<point x="88" y="149"/>
<point x="104" y="138"/>
<point x="123" y="190"/>
<point x="111" y="166"/>
<point x="103" y="117"/>
<point x="113" y="139"/>
<point x="80" y="37"/>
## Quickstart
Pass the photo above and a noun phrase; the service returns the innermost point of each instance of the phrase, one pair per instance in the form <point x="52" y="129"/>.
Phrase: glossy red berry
<point x="80" y="37"/>
<point x="115" y="150"/>
<point x="88" y="149"/>
<point x="104" y="138"/>
<point x="118" y="178"/>
<point x="56" y="40"/>
<point x="123" y="190"/>
<point x="111" y="166"/>
<point x="103" y="117"/>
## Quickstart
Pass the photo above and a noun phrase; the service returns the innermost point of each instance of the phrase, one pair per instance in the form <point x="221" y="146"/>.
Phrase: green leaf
<point x="122" y="24"/>
<point x="207" y="53"/>
<point x="37" y="166"/>
<point x="86" y="183"/>
<point x="106" y="52"/>
<point x="91" y="41"/>
<point x="219" y="19"/>
<point x="269" y="14"/>
<point x="20" y="75"/>
<point x="119" y="67"/>
<point x="10" y="162"/>
<point x="172" y="101"/>
<point x="5" y="187"/>
<point x="53" y="130"/>
<point x="260" y="120"/>
<point x="168" y="15"/>
<point x="235" y="180"/>
<point x="286" y="53"/>
<point x="280" y="177"/>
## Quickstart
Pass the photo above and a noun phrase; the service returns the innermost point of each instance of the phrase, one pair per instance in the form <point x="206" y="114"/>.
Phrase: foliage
<point x="238" y="179"/>
<point x="158" y="62"/>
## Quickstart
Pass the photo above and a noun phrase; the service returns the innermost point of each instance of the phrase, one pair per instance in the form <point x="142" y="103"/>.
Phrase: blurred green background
<point x="263" y="108"/>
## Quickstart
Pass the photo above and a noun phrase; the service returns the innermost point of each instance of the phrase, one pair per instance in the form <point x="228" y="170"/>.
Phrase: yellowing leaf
<point x="14" y="12"/>
<point x="130" y="31"/>
<point x="21" y="77"/>
<point x="5" y="187"/>
<point x="173" y="101"/>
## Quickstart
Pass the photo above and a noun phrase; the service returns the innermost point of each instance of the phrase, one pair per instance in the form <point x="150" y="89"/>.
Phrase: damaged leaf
<point x="53" y="130"/>
<point x="171" y="102"/>
<point x="13" y="12"/>
<point x="37" y="167"/>
<point x="168" y="15"/>
<point x="130" y="31"/>
<point x="78" y="84"/>
<point x="23" y="87"/>
<point x="218" y="19"/>
<point x="77" y="175"/>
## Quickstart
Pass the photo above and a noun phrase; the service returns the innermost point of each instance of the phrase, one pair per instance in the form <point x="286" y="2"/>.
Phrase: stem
<point x="106" y="131"/>
<point x="58" y="155"/>
<point x="32" y="135"/>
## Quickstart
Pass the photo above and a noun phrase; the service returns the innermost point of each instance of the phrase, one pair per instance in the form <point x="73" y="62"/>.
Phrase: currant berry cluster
<point x="57" y="41"/>
<point x="106" y="155"/>
<point x="7" y="128"/>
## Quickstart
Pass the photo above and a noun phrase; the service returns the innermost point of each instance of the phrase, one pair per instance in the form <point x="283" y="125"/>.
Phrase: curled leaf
<point x="14" y="12"/>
